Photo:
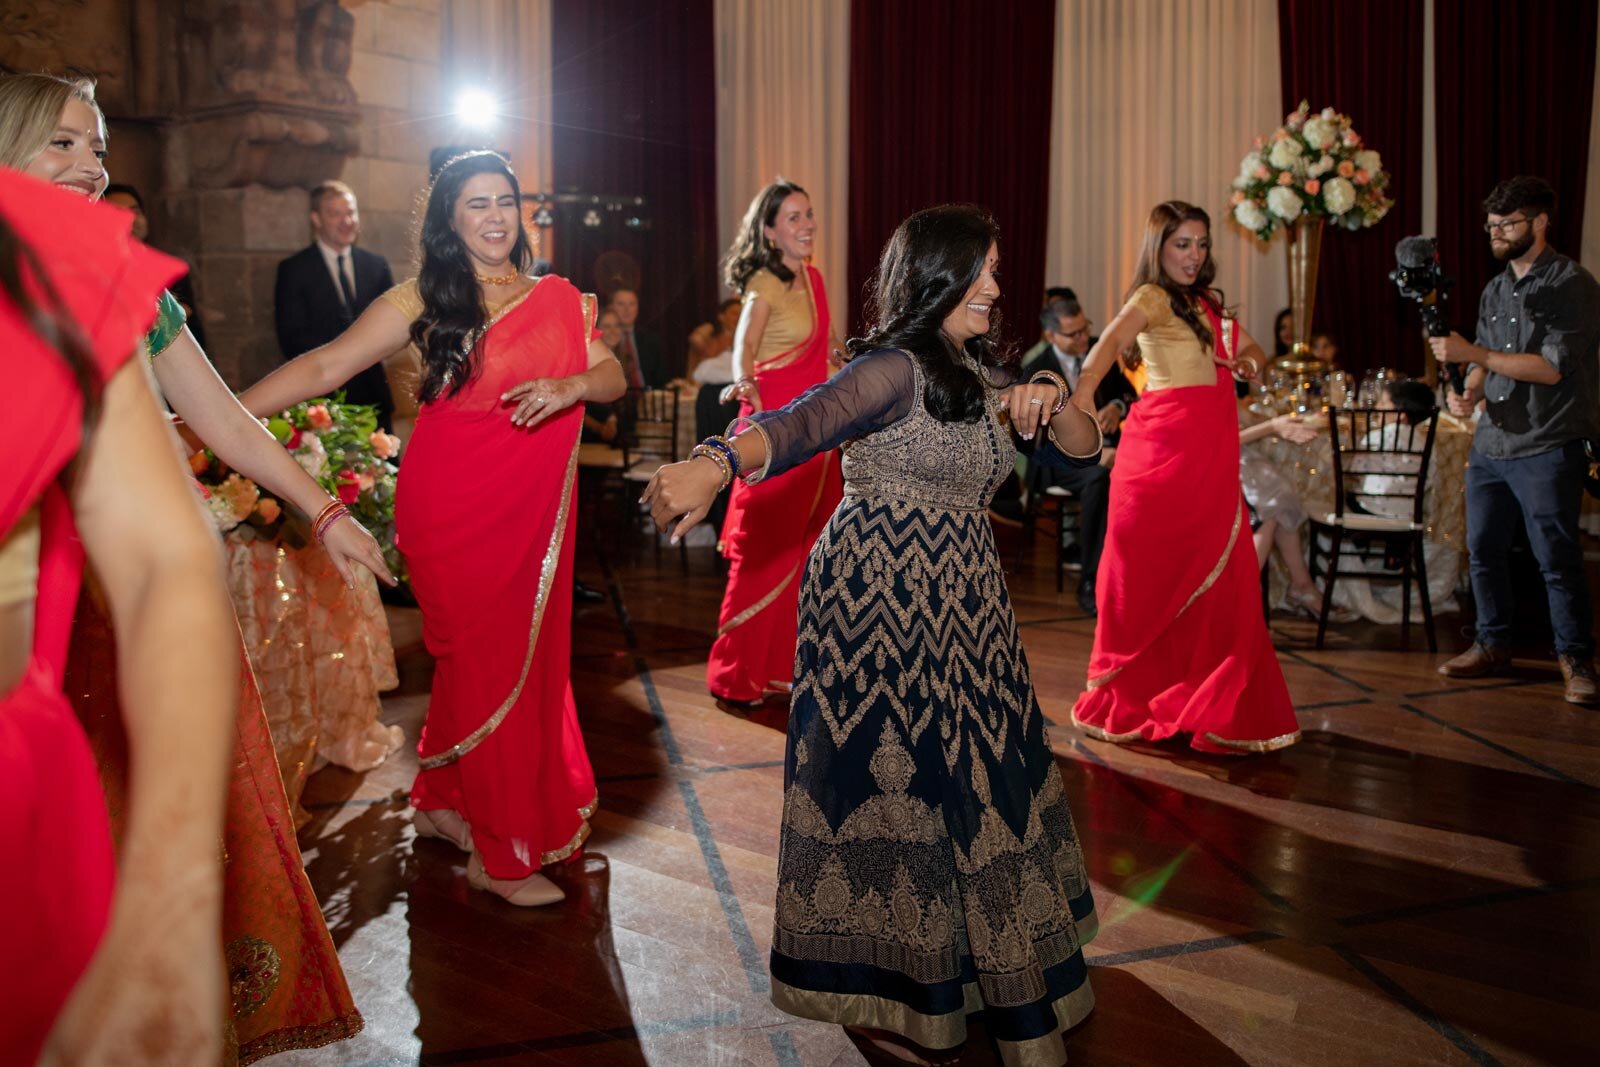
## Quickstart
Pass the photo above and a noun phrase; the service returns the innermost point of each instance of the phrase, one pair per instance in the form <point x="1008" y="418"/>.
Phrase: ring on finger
<point x="1036" y="400"/>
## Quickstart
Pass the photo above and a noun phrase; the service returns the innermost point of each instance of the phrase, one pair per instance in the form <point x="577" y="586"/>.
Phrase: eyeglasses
<point x="1082" y="331"/>
<point x="1503" y="226"/>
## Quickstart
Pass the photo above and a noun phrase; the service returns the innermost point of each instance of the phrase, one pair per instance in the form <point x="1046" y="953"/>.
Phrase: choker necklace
<point x="504" y="279"/>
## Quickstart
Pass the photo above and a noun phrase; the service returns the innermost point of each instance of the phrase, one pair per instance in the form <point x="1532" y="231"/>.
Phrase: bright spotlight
<point x="475" y="107"/>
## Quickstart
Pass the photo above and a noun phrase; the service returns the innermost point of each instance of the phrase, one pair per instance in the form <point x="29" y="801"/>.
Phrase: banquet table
<point x="321" y="654"/>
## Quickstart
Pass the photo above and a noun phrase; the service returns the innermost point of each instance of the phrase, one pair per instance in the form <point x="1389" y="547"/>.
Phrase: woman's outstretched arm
<point x="201" y="398"/>
<point x="380" y="332"/>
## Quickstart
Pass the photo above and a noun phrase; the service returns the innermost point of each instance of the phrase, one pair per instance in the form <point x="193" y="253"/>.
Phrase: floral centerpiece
<point x="336" y="443"/>
<point x="1316" y="165"/>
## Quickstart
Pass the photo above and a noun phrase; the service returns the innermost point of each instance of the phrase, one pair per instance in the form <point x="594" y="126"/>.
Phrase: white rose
<point x="1320" y="167"/>
<point x="1285" y="203"/>
<point x="1248" y="165"/>
<point x="311" y="456"/>
<point x="1338" y="195"/>
<point x="1368" y="160"/>
<point x="1320" y="133"/>
<point x="1250" y="216"/>
<point x="221" y="512"/>
<point x="1284" y="153"/>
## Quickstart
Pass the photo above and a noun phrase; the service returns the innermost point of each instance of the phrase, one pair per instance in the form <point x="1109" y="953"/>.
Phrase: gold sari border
<point x="1205" y="585"/>
<point x="880" y="1013"/>
<point x="1103" y="735"/>
<point x="547" y="573"/>
<point x="1271" y="744"/>
<point x="290" y="1038"/>
<point x="1049" y="1050"/>
<point x="784" y="359"/>
<point x="584" y="813"/>
<point x="749" y="613"/>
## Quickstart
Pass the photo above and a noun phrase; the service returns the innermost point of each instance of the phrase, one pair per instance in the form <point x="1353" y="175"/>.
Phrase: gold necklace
<point x="504" y="279"/>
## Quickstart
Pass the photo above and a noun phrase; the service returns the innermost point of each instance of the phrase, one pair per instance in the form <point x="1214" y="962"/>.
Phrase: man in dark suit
<point x="323" y="288"/>
<point x="644" y="359"/>
<point x="1067" y="341"/>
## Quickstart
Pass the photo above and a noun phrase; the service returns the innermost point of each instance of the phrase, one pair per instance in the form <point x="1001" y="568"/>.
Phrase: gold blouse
<point x="790" y="321"/>
<point x="19" y="560"/>
<point x="1173" y="355"/>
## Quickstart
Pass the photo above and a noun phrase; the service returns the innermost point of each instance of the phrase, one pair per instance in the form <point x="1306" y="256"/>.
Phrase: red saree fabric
<point x="1180" y="645"/>
<point x="60" y="869"/>
<point x="288" y="987"/>
<point x="769" y="531"/>
<point x="484" y="512"/>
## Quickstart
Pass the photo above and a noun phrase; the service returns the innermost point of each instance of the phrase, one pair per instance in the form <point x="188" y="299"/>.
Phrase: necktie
<point x="630" y="361"/>
<point x="1070" y="366"/>
<point x="348" y="290"/>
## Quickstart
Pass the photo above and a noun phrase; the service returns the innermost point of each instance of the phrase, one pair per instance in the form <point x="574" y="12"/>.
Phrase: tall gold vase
<point x="1304" y="249"/>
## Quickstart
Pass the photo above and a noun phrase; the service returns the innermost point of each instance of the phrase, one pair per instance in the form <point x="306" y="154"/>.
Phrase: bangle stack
<point x="719" y="450"/>
<point x="330" y="514"/>
<point x="1062" y="392"/>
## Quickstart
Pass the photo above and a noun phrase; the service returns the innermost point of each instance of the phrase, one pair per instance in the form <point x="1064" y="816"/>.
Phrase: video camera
<point x="1420" y="278"/>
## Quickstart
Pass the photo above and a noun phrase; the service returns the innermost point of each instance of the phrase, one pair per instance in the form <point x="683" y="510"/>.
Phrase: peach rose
<point x="1261" y="173"/>
<point x="1238" y="196"/>
<point x="1346" y="168"/>
<point x="1362" y="177"/>
<point x="1313" y="187"/>
<point x="319" y="418"/>
<point x="199" y="462"/>
<point x="384" y="445"/>
<point x="268" y="509"/>
<point x="365" y="479"/>
<point x="1286" y="178"/>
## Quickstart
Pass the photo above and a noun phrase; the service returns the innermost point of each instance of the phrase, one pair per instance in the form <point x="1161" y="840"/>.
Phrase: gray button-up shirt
<point x="1554" y="311"/>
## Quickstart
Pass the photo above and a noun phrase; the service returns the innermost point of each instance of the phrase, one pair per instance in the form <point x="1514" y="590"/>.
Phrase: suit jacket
<point x="652" y="357"/>
<point x="1113" y="387"/>
<point x="309" y="312"/>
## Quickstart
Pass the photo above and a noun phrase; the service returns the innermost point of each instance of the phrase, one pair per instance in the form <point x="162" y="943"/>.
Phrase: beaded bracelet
<point x="705" y="451"/>
<point x="1062" y="392"/>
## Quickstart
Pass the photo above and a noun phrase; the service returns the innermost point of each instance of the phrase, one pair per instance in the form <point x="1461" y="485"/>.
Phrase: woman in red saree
<point x="484" y="513"/>
<point x="782" y="346"/>
<point x="87" y="973"/>
<point x="1180" y="645"/>
<point x="288" y="988"/>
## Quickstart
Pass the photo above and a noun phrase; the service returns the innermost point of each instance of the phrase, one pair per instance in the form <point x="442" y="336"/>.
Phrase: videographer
<point x="1536" y="368"/>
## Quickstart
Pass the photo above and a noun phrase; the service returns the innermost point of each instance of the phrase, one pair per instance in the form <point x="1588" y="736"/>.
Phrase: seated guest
<point x="712" y="342"/>
<point x="126" y="196"/>
<point x="1283" y="334"/>
<point x="1055" y="292"/>
<point x="1067" y="341"/>
<point x="1325" y="348"/>
<point x="322" y="289"/>
<point x="643" y="358"/>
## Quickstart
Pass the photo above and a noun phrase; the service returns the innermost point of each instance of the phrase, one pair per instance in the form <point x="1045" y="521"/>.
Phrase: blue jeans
<point x="1544" y="493"/>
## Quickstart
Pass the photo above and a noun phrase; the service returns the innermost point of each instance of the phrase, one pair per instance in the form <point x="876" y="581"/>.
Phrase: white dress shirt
<point x="330" y="257"/>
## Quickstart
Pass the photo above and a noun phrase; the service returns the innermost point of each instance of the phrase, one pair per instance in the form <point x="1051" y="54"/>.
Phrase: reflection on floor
<point x="1418" y="882"/>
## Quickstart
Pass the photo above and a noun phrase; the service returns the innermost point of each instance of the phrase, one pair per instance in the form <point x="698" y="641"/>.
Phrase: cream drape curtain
<point x="783" y="108"/>
<point x="503" y="46"/>
<point x="1153" y="101"/>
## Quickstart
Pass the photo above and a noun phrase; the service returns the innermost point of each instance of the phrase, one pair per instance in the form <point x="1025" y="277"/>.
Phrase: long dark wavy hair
<point x="453" y="313"/>
<point x="47" y="316"/>
<point x="750" y="251"/>
<point x="1165" y="218"/>
<point x="924" y="274"/>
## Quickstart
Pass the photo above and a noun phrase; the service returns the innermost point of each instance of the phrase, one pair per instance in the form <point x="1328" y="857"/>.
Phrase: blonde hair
<point x="30" y="111"/>
<point x="331" y="187"/>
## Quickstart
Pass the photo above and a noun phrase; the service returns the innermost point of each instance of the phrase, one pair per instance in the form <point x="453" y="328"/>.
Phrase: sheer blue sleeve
<point x="874" y="390"/>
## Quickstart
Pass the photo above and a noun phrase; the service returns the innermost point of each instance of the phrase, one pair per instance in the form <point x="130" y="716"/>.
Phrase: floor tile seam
<point x="1505" y="750"/>
<point x="733" y="912"/>
<point x="1399" y="994"/>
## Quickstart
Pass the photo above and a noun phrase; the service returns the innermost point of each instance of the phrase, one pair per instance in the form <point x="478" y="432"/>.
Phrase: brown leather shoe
<point x="1579" y="676"/>
<point x="1476" y="662"/>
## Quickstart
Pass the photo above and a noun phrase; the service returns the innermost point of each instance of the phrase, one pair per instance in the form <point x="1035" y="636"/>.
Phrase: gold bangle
<point x="1099" y="445"/>
<point x="1063" y="393"/>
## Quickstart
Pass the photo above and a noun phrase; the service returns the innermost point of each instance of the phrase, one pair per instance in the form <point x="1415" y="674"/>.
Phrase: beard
<point x="1513" y="249"/>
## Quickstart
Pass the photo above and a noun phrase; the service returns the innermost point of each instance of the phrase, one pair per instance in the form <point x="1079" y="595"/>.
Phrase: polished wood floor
<point x="1417" y="882"/>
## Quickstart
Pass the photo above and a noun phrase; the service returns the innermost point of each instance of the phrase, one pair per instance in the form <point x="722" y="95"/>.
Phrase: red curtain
<point x="951" y="102"/>
<point x="635" y="116"/>
<point x="1514" y="85"/>
<point x="1364" y="58"/>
